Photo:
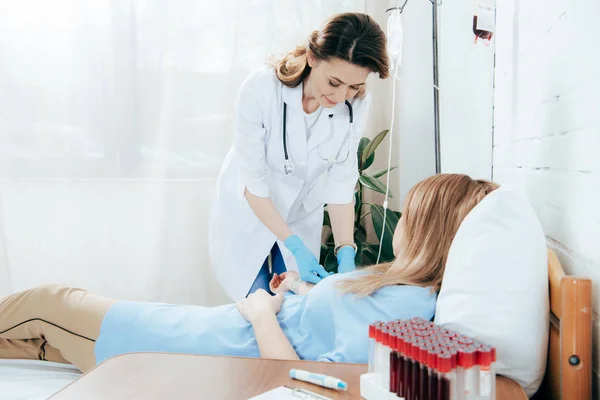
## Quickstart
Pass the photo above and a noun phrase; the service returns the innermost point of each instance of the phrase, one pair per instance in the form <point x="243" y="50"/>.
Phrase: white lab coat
<point x="238" y="241"/>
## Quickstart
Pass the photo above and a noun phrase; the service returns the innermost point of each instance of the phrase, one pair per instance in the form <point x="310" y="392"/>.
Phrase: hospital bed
<point x="34" y="380"/>
<point x="568" y="374"/>
<point x="569" y="368"/>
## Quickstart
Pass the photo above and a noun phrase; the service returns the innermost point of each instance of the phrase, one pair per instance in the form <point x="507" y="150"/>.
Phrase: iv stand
<point x="436" y="83"/>
<point x="436" y="92"/>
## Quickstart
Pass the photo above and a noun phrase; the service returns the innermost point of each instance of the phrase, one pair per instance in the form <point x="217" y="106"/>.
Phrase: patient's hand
<point x="259" y="304"/>
<point x="283" y="283"/>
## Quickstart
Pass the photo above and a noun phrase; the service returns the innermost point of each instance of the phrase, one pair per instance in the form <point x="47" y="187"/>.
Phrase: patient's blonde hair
<point x="433" y="211"/>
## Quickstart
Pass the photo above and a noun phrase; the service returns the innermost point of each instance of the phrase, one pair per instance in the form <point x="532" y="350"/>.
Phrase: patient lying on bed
<point x="327" y="322"/>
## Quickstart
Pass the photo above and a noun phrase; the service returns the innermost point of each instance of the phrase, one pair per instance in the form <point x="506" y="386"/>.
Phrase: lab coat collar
<point x="293" y="97"/>
<point x="296" y="129"/>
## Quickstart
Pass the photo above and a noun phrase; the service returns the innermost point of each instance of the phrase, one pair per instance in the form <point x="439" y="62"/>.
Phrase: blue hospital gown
<point x="323" y="325"/>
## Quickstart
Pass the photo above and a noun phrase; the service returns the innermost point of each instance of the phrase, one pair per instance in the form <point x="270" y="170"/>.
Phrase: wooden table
<point x="150" y="376"/>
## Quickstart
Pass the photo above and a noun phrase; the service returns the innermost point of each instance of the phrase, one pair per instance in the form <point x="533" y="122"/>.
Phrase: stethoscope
<point x="288" y="168"/>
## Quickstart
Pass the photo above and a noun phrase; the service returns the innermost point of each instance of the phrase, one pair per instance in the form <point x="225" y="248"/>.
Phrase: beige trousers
<point x="53" y="323"/>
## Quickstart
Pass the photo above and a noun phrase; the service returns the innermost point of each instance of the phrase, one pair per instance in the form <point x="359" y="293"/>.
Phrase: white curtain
<point x="114" y="119"/>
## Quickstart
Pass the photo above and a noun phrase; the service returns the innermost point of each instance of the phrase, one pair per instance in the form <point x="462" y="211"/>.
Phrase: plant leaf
<point x="373" y="184"/>
<point x="357" y="207"/>
<point x="369" y="257"/>
<point x="330" y="242"/>
<point x="372" y="146"/>
<point x="374" y="252"/>
<point x="326" y="219"/>
<point x="360" y="234"/>
<point x="323" y="255"/>
<point x="330" y="263"/>
<point x="364" y="142"/>
<point x="369" y="161"/>
<point x="388" y="227"/>
<point x="358" y="243"/>
<point x="381" y="173"/>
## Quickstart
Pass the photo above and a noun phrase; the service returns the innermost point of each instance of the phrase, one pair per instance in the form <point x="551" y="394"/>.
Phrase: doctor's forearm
<point x="265" y="211"/>
<point x="342" y="222"/>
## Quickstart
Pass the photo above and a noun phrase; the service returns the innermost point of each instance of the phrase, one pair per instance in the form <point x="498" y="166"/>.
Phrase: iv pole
<point x="436" y="89"/>
<point x="436" y="84"/>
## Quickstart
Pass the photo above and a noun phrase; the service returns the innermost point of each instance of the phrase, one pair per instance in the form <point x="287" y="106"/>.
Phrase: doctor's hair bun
<point x="312" y="38"/>
<point x="352" y="37"/>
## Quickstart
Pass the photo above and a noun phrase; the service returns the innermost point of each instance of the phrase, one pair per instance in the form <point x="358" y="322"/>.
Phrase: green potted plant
<point x="366" y="252"/>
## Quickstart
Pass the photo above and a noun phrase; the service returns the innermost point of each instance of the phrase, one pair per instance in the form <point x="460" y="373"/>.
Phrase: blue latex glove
<point x="345" y="258"/>
<point x="308" y="265"/>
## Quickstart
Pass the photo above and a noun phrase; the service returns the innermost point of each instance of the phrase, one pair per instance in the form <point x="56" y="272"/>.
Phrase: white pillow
<point x="495" y="286"/>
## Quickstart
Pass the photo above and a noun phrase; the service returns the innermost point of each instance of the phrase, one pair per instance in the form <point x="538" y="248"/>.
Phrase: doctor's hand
<point x="283" y="283"/>
<point x="345" y="258"/>
<point x="308" y="265"/>
<point x="260" y="304"/>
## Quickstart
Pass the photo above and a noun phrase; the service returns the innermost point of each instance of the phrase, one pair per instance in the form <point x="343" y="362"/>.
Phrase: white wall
<point x="466" y="93"/>
<point x="154" y="232"/>
<point x="547" y="126"/>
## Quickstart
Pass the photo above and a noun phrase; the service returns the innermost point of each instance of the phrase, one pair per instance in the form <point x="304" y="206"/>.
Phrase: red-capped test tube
<point x="386" y="338"/>
<point x="486" y="382"/>
<point x="372" y="329"/>
<point x="446" y="376"/>
<point x="466" y="372"/>
<point x="418" y="360"/>
<point x="394" y="357"/>
<point x="433" y="376"/>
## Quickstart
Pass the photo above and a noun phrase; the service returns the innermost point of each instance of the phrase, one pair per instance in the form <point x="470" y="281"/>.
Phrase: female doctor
<point x="298" y="125"/>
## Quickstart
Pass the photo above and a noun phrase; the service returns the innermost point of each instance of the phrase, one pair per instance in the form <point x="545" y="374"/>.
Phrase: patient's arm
<point x="260" y="309"/>
<point x="271" y="340"/>
<point x="289" y="282"/>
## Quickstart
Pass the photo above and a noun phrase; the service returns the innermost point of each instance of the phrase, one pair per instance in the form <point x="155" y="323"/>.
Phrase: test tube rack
<point x="418" y="360"/>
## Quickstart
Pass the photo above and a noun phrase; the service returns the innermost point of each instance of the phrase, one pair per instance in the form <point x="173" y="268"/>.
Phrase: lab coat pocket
<point x="316" y="195"/>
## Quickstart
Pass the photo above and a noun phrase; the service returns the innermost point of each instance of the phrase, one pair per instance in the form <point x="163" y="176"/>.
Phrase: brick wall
<point x="547" y="125"/>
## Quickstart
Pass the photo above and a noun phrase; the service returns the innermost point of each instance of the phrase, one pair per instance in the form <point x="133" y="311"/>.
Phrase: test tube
<point x="486" y="385"/>
<point x="459" y="388"/>
<point x="393" y="343"/>
<point x="408" y="368"/>
<point x="446" y="378"/>
<point x="386" y="356"/>
<point x="423" y="393"/>
<point x="417" y="367"/>
<point x="371" y="348"/>
<point x="466" y="362"/>
<point x="433" y="379"/>
<point x="378" y="352"/>
<point x="453" y="351"/>
<point x="401" y="365"/>
<point x="416" y="382"/>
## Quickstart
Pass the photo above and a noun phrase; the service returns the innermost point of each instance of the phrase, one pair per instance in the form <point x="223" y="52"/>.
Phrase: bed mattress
<point x="34" y="380"/>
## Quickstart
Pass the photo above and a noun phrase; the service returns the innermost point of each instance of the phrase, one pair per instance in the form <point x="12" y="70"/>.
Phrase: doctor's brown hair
<point x="433" y="211"/>
<point x="351" y="37"/>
